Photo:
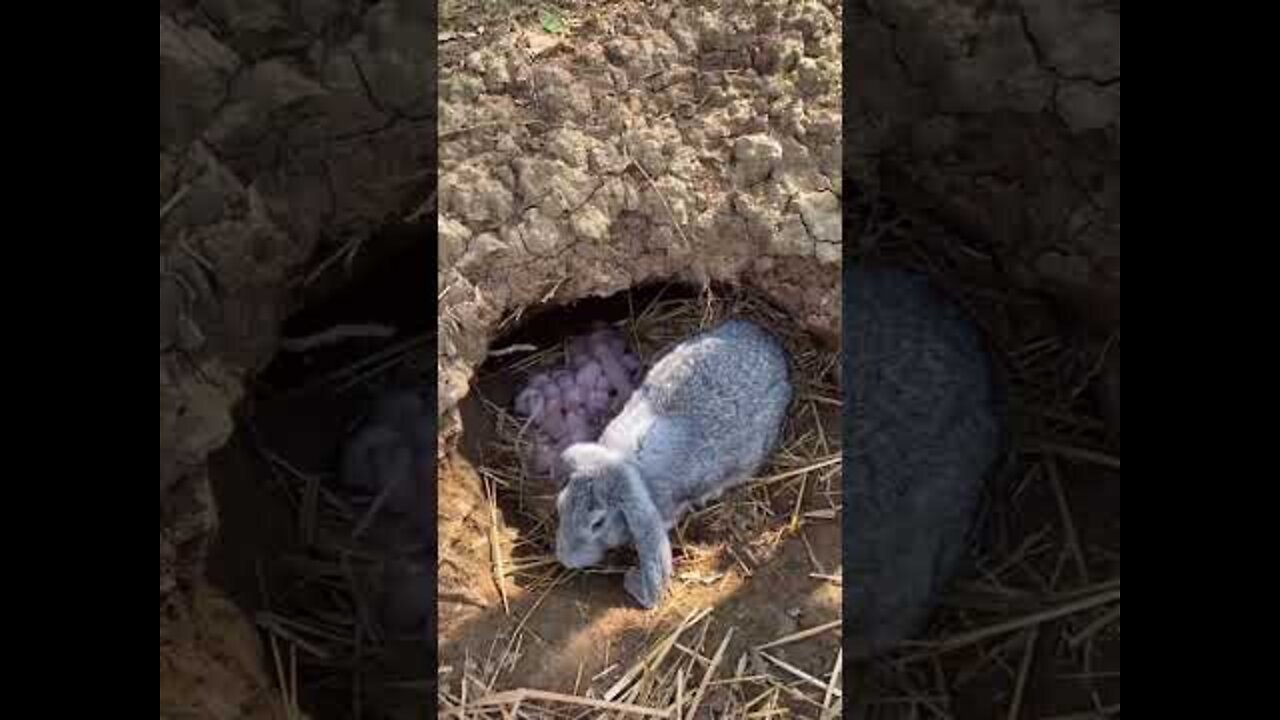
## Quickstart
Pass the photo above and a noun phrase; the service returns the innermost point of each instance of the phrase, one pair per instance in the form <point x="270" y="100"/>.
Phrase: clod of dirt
<point x="755" y="157"/>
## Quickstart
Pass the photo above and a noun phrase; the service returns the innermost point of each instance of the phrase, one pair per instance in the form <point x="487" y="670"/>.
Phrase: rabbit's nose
<point x="573" y="560"/>
<point x="566" y="560"/>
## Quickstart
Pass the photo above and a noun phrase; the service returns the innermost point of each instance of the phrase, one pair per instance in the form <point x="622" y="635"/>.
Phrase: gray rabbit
<point x="923" y="431"/>
<point x="703" y="420"/>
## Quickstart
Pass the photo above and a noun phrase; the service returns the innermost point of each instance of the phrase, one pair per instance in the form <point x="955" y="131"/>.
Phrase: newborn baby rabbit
<point x="703" y="420"/>
<point x="921" y="435"/>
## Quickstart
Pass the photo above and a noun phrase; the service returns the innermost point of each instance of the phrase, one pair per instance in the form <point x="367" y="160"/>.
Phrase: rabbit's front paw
<point x="643" y="588"/>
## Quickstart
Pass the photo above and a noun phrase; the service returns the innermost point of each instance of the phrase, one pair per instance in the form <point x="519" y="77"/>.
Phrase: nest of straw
<point x="687" y="672"/>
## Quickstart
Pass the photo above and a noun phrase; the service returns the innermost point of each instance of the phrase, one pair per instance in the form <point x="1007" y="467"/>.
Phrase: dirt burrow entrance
<point x="639" y="143"/>
<point x="765" y="560"/>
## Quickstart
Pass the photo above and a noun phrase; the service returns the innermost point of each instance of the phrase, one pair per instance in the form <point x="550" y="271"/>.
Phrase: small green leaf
<point x="552" y="21"/>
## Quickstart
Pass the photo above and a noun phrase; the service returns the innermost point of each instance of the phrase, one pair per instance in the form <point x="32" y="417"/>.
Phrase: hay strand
<point x="513" y="698"/>
<point x="802" y="675"/>
<point x="801" y="635"/>
<point x="709" y="674"/>
<point x="1071" y="608"/>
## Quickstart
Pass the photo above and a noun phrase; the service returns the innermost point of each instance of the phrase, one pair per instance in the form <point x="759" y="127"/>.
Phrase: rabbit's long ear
<point x="647" y="583"/>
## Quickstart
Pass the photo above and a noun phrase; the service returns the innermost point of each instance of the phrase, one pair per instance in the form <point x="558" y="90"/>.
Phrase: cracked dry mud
<point x="650" y="143"/>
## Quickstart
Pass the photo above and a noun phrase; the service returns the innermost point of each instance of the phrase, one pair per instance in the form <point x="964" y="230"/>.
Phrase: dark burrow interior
<point x="284" y="551"/>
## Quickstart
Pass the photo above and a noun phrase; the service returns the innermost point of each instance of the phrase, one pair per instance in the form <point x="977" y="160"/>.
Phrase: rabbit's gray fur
<point x="922" y="433"/>
<point x="704" y="419"/>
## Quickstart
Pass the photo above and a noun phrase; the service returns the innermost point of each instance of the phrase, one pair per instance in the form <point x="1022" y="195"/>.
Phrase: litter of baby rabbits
<point x="571" y="404"/>
<point x="702" y="662"/>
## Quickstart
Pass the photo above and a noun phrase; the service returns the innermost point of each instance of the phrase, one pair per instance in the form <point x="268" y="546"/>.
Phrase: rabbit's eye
<point x="597" y="524"/>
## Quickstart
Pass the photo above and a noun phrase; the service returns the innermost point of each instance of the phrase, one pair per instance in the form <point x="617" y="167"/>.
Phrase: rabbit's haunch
<point x="572" y="404"/>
